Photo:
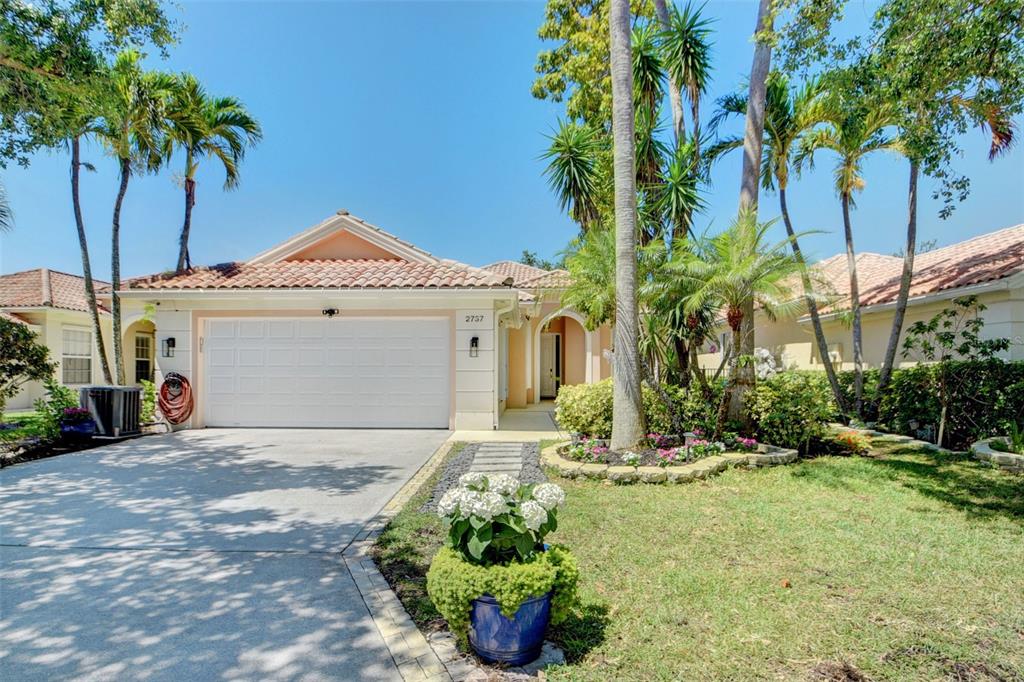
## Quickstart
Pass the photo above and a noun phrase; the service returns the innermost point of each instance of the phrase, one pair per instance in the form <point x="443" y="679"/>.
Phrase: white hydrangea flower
<point x="485" y="505"/>
<point x="503" y="484"/>
<point x="449" y="503"/>
<point x="472" y="480"/>
<point x="534" y="515"/>
<point x="549" y="495"/>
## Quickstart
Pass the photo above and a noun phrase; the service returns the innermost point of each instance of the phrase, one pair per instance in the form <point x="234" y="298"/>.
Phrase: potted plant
<point x="496" y="582"/>
<point x="76" y="424"/>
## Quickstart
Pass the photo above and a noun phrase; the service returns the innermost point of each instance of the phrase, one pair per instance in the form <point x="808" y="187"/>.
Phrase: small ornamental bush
<point x="496" y="530"/>
<point x="147" y="412"/>
<point x="790" y="409"/>
<point x="588" y="450"/>
<point x="75" y="415"/>
<point x="667" y="456"/>
<point x="51" y="408"/>
<point x="703" y="448"/>
<point x="631" y="459"/>
<point x="852" y="443"/>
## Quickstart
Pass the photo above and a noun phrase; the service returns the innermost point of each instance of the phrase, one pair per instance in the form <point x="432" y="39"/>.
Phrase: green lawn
<point x="27" y="422"/>
<point x="902" y="566"/>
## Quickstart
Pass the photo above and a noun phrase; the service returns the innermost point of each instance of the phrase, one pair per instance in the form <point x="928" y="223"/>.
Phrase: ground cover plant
<point x="900" y="565"/>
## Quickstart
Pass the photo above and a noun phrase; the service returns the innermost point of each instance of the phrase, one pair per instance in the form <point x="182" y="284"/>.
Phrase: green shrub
<point x="50" y="409"/>
<point x="454" y="583"/>
<point x="148" y="410"/>
<point x="791" y="409"/>
<point x="587" y="408"/>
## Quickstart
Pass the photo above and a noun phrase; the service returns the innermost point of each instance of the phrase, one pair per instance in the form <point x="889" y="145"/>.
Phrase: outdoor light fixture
<point x="329" y="312"/>
<point x="168" y="347"/>
<point x="474" y="347"/>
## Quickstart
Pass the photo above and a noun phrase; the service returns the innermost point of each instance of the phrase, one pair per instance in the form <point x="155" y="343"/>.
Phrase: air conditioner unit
<point x="115" y="409"/>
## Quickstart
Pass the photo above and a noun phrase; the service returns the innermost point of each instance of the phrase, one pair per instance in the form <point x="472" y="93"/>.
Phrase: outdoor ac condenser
<point x="115" y="409"/>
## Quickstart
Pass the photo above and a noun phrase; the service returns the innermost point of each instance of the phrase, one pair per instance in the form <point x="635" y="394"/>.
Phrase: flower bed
<point x="678" y="470"/>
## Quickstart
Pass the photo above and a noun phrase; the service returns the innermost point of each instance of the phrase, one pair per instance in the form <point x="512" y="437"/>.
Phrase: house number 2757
<point x="474" y="318"/>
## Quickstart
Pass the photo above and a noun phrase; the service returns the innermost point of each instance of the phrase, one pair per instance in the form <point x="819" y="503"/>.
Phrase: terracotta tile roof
<point x="986" y="258"/>
<point x="317" y="274"/>
<point x="519" y="272"/>
<point x="11" y="317"/>
<point x="45" y="288"/>
<point x="552" y="279"/>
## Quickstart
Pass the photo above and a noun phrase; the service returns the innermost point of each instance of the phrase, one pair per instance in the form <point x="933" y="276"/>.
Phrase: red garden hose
<point x="175" y="398"/>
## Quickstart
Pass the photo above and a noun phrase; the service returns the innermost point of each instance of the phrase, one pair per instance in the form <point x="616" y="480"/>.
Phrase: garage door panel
<point x="343" y="372"/>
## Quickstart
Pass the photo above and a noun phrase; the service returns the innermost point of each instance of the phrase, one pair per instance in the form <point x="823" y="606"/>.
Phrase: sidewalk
<point x="518" y="425"/>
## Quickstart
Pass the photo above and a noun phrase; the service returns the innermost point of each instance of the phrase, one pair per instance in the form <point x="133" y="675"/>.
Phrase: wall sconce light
<point x="474" y="347"/>
<point x="329" y="312"/>
<point x="168" y="347"/>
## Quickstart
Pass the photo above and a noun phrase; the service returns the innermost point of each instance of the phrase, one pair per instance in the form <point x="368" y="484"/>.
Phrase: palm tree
<point x="852" y="133"/>
<point x="790" y="113"/>
<point x="627" y="412"/>
<point x="572" y="171"/>
<point x="732" y="269"/>
<point x="687" y="56"/>
<point x="590" y="260"/>
<point x="133" y="114"/>
<point x="205" y="126"/>
<point x="6" y="216"/>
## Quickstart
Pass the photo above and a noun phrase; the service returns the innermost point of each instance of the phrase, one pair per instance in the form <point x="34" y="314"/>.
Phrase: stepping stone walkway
<point x="498" y="458"/>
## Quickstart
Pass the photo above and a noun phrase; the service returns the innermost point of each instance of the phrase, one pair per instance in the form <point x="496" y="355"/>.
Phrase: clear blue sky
<point x="418" y="117"/>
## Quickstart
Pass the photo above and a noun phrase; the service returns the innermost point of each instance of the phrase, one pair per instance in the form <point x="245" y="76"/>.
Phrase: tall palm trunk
<point x="184" y="262"/>
<point x="83" y="247"/>
<point x="858" y="351"/>
<point x="753" y="140"/>
<point x="675" y="95"/>
<point x="812" y="305"/>
<point x="905" y="279"/>
<point x="682" y="360"/>
<point x="627" y="408"/>
<point x="115" y="270"/>
<point x="743" y="375"/>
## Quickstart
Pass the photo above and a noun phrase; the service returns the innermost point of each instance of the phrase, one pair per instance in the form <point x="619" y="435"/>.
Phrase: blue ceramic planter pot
<point x="78" y="431"/>
<point x="516" y="641"/>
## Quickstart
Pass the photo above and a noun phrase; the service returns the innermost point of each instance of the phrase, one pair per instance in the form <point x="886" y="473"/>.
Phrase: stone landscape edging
<point x="1005" y="461"/>
<point x="767" y="455"/>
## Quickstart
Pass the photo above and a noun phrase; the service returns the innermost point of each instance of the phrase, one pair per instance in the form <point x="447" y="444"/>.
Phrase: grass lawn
<point x="905" y="565"/>
<point x="26" y="422"/>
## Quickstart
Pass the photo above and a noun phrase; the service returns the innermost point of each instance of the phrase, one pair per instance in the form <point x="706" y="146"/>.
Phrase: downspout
<point x="498" y="356"/>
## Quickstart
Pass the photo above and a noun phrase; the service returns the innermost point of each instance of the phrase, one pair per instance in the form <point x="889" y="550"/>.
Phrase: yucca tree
<point x="686" y="53"/>
<point x="728" y="271"/>
<point x="790" y="114"/>
<point x="133" y="110"/>
<point x="852" y="133"/>
<point x="573" y="171"/>
<point x="203" y="126"/>
<point x="627" y="408"/>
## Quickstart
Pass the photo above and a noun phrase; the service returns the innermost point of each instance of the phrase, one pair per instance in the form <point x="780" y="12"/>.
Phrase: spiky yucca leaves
<point x="648" y="68"/>
<point x="680" y="197"/>
<point x="686" y="52"/>
<point x="6" y="215"/>
<point x="573" y="170"/>
<point x="206" y="127"/>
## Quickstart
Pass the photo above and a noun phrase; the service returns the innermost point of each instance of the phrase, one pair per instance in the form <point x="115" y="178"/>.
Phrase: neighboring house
<point x="990" y="267"/>
<point x="52" y="304"/>
<point x="345" y="325"/>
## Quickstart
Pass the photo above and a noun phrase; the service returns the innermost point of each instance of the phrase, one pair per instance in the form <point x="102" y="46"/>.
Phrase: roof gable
<point x="44" y="288"/>
<point x="344" y="237"/>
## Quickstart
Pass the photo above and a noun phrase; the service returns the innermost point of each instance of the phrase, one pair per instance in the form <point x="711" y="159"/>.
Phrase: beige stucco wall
<point x="1003" y="318"/>
<point x="49" y="324"/>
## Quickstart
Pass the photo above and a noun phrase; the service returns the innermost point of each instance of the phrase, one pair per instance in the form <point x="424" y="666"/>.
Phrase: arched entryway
<point x="138" y="344"/>
<point x="562" y="351"/>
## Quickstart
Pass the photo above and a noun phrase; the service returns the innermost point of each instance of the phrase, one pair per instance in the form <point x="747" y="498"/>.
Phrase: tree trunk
<point x="858" y="351"/>
<point x="682" y="360"/>
<point x="675" y="95"/>
<point x="115" y="270"/>
<point x="190" y="201"/>
<point x="905" y="279"/>
<point x="754" y="132"/>
<point x="743" y="373"/>
<point x="83" y="246"/>
<point x="697" y="370"/>
<point x="729" y="396"/>
<point x="627" y="410"/>
<point x="812" y="306"/>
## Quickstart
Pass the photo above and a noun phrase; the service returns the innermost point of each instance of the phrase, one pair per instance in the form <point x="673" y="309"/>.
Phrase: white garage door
<point x="320" y="372"/>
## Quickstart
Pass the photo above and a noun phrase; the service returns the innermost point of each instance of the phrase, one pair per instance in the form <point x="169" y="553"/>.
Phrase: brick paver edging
<point x="417" y="659"/>
<point x="1009" y="462"/>
<point x="767" y="455"/>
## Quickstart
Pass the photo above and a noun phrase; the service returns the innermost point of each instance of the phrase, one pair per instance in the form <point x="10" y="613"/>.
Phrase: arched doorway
<point x="562" y="349"/>
<point x="138" y="342"/>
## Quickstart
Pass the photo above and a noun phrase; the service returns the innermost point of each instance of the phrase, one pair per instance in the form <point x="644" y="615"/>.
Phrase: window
<point x="76" y="357"/>
<point x="143" y="358"/>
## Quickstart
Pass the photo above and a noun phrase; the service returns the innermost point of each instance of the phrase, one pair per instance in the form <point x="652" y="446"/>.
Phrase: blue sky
<point x="418" y="118"/>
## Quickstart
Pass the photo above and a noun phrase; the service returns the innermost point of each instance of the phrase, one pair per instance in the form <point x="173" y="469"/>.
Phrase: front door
<point x="550" y="364"/>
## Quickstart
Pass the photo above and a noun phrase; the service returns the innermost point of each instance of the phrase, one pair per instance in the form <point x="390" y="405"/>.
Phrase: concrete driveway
<point x="202" y="555"/>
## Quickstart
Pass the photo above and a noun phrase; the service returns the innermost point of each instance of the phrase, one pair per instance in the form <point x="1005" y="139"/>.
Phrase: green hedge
<point x="791" y="409"/>
<point x="587" y="408"/>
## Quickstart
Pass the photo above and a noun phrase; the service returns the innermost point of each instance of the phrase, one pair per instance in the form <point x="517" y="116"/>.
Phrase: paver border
<point x="766" y="455"/>
<point x="1009" y="462"/>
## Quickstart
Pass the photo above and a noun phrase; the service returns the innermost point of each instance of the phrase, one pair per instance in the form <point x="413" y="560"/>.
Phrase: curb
<point x="1008" y="462"/>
